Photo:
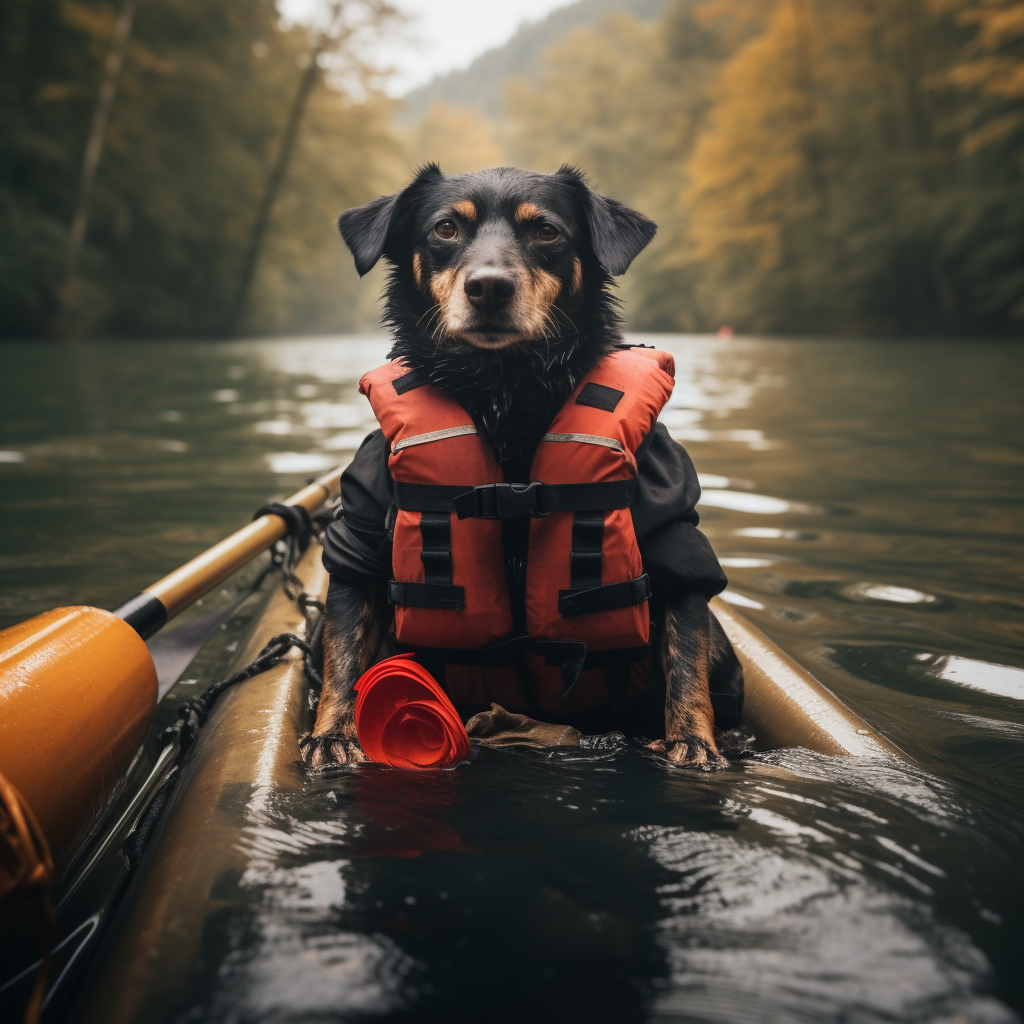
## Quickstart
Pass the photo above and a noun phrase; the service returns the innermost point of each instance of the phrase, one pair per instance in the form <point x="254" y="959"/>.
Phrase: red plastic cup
<point x="404" y="719"/>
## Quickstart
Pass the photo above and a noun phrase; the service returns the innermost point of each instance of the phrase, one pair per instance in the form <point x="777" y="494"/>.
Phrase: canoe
<point x="74" y="786"/>
<point x="247" y="756"/>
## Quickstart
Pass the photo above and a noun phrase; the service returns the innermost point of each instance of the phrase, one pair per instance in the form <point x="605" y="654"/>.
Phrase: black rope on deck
<point x="292" y="547"/>
<point x="193" y="714"/>
<point x="302" y="528"/>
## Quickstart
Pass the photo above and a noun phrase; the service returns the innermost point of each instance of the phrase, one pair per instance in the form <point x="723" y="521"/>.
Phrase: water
<point x="865" y="498"/>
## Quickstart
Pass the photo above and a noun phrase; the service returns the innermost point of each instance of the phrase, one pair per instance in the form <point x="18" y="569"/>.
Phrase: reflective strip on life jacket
<point x="434" y="435"/>
<point x="606" y="442"/>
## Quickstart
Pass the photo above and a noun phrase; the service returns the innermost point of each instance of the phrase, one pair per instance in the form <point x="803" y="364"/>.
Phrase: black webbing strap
<point x="508" y="652"/>
<point x="571" y="656"/>
<point x="509" y="501"/>
<point x="585" y="558"/>
<point x="427" y="497"/>
<point x="436" y="556"/>
<point x="604" y="599"/>
<point x="438" y="589"/>
<point x="426" y="595"/>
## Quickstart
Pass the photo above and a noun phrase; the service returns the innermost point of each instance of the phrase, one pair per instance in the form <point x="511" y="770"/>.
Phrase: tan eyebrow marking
<point x="527" y="211"/>
<point x="465" y="208"/>
<point x="577" y="274"/>
<point x="417" y="269"/>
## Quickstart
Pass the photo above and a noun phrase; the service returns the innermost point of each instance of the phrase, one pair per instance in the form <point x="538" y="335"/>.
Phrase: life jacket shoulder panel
<point x="594" y="438"/>
<point x="449" y="576"/>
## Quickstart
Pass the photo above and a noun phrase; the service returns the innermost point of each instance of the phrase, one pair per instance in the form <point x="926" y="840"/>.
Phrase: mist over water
<point x="865" y="498"/>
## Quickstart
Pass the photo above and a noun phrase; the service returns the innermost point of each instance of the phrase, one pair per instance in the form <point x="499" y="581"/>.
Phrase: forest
<point x="815" y="166"/>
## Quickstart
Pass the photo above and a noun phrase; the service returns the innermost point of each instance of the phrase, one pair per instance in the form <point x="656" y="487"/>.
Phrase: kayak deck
<point x="785" y="706"/>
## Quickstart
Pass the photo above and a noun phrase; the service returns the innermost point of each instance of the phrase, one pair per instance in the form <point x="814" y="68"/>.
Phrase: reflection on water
<point x="1001" y="680"/>
<point x="865" y="499"/>
<point x="608" y="886"/>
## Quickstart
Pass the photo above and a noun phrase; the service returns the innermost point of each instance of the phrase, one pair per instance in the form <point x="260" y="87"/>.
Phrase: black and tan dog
<point x="499" y="296"/>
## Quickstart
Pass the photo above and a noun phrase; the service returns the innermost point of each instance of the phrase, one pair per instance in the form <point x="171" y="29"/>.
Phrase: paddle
<point x="78" y="685"/>
<point x="172" y="650"/>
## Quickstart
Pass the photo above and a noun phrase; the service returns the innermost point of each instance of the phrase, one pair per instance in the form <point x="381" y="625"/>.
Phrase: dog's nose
<point x="489" y="290"/>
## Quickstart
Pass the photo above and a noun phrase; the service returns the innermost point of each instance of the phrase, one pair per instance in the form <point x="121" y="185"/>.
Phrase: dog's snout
<point x="489" y="290"/>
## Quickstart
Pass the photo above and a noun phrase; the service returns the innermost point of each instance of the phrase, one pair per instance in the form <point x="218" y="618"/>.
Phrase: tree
<point x="336" y="36"/>
<point x="624" y="101"/>
<point x="94" y="149"/>
<point x="814" y="165"/>
<point x="204" y="92"/>
<point x="988" y="79"/>
<point x="821" y="184"/>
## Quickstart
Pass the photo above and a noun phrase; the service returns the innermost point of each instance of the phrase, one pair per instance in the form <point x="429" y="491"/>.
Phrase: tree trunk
<point x="93" y="151"/>
<point x="270" y="193"/>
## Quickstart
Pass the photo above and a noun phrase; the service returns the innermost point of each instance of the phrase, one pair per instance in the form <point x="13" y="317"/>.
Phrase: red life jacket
<point x="586" y="612"/>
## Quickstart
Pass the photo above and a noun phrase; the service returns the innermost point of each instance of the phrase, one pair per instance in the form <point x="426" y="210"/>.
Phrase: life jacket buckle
<point x="501" y="501"/>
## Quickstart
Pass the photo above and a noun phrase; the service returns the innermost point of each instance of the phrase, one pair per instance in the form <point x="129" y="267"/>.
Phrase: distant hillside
<point x="480" y="84"/>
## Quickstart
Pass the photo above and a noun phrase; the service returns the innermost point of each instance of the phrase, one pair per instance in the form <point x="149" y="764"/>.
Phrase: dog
<point x="499" y="295"/>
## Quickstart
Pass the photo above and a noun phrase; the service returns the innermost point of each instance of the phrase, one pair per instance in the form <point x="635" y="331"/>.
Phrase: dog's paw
<point x="690" y="752"/>
<point x="329" y="750"/>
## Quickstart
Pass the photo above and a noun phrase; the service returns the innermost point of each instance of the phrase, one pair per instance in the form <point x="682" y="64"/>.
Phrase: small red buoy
<point x="404" y="718"/>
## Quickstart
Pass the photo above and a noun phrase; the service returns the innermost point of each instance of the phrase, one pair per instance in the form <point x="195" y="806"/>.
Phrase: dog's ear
<point x="617" y="233"/>
<point x="366" y="229"/>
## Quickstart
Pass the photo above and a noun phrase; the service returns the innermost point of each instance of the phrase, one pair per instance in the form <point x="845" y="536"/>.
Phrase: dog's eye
<point x="445" y="229"/>
<point x="547" y="232"/>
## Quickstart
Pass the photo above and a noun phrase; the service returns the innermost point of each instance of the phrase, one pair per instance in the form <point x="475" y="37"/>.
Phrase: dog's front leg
<point x="351" y="629"/>
<point x="686" y="661"/>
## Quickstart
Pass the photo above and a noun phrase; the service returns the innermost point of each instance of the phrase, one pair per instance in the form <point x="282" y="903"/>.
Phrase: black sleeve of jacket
<point x="357" y="545"/>
<point x="676" y="555"/>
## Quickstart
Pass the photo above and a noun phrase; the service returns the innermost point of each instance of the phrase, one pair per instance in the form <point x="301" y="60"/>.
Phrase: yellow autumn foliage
<point x="836" y="165"/>
<point x="457" y="138"/>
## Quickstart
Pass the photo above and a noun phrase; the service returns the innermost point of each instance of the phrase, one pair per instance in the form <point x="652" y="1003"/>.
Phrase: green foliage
<point x="197" y="116"/>
<point x="814" y="165"/>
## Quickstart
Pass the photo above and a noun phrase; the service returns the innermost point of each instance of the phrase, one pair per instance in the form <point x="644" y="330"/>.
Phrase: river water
<point x="865" y="498"/>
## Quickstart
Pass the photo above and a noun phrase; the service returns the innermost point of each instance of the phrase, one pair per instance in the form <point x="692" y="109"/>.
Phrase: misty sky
<point x="442" y="34"/>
